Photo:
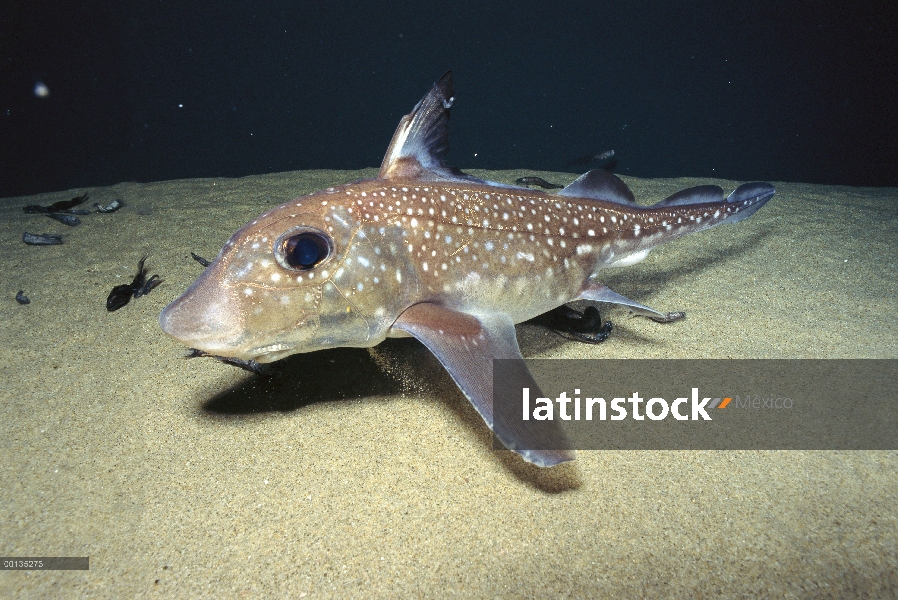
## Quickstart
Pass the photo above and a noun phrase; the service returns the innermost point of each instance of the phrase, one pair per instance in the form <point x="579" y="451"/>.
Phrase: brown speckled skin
<point x="470" y="247"/>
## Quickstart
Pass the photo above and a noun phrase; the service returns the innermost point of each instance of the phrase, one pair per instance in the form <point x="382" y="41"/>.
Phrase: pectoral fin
<point x="466" y="346"/>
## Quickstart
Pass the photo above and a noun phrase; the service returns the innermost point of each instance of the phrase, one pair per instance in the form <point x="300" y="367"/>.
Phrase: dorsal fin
<point x="421" y="141"/>
<point x="699" y="194"/>
<point x="599" y="184"/>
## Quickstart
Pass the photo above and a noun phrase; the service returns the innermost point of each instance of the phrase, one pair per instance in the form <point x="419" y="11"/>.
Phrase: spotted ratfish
<point x="428" y="251"/>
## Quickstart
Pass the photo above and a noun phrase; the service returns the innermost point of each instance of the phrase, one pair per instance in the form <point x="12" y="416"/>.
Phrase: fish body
<point x="427" y="251"/>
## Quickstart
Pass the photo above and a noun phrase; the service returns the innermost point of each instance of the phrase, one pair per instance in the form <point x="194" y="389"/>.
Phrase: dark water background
<point x="150" y="90"/>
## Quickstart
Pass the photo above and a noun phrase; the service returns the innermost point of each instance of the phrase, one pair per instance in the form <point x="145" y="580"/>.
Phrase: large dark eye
<point x="302" y="249"/>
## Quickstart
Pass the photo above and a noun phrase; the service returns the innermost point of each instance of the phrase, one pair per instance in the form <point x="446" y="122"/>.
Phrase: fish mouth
<point x="270" y="353"/>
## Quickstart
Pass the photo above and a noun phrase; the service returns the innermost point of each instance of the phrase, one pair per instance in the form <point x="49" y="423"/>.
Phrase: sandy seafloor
<point x="359" y="473"/>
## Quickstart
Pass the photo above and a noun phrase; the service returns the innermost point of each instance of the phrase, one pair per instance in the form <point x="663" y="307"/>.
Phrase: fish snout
<point x="208" y="322"/>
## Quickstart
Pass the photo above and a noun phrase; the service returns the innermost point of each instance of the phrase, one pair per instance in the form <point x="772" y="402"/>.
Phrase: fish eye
<point x="302" y="249"/>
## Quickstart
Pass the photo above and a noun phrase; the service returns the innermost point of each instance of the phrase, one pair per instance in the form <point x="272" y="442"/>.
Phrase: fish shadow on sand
<point x="673" y="270"/>
<point x="352" y="373"/>
<point x="304" y="379"/>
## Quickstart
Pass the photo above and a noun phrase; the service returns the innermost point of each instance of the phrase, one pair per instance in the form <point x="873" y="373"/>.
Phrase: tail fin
<point x="752" y="196"/>
<point x="742" y="203"/>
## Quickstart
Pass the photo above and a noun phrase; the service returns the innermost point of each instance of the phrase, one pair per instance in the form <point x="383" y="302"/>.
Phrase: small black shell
<point x="111" y="207"/>
<point x="200" y="259"/>
<point x="41" y="239"/>
<point x="68" y="219"/>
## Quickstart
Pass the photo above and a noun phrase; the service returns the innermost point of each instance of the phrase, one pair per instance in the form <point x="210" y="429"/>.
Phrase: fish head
<point x="311" y="274"/>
